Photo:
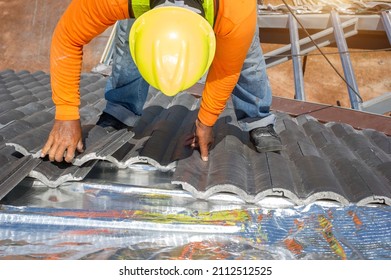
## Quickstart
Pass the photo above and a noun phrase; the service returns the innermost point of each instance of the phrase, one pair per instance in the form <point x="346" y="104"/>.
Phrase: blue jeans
<point x="126" y="91"/>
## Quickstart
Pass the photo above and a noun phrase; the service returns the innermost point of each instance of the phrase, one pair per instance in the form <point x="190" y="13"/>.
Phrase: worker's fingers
<point x="53" y="151"/>
<point x="63" y="141"/>
<point x="192" y="141"/>
<point x="195" y="145"/>
<point x="204" y="139"/>
<point x="69" y="153"/>
<point x="80" y="147"/>
<point x="189" y="140"/>
<point x="47" y="146"/>
<point x="204" y="150"/>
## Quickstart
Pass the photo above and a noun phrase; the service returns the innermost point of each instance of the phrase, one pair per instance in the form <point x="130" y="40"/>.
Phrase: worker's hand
<point x="63" y="141"/>
<point x="202" y="139"/>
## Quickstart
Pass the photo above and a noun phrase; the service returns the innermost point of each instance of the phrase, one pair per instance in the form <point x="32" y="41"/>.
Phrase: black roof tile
<point x="5" y="72"/>
<point x="26" y="127"/>
<point x="335" y="152"/>
<point x="323" y="138"/>
<point x="10" y="116"/>
<point x="31" y="141"/>
<point x="317" y="177"/>
<point x="5" y="97"/>
<point x="39" y="118"/>
<point x="14" y="129"/>
<point x="7" y="105"/>
<point x="25" y="100"/>
<point x="100" y="144"/>
<point x="54" y="174"/>
<point x="41" y="93"/>
<point x="13" y="169"/>
<point x="379" y="139"/>
<point x="319" y="161"/>
<point x="48" y="103"/>
<point x="31" y="108"/>
<point x="341" y="129"/>
<point x="39" y="73"/>
<point x="13" y="84"/>
<point x="384" y="169"/>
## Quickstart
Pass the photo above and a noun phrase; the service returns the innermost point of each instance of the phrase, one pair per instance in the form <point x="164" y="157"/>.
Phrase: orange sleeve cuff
<point x="206" y="117"/>
<point x="67" y="113"/>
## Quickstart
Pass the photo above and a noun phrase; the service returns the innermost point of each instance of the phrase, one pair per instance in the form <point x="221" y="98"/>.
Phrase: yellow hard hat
<point x="172" y="47"/>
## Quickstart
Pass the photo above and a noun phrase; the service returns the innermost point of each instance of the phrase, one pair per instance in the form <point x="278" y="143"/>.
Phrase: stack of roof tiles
<point x="319" y="161"/>
<point x="325" y="6"/>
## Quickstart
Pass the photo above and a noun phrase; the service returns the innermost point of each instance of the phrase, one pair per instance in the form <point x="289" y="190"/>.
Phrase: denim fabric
<point x="252" y="95"/>
<point x="126" y="91"/>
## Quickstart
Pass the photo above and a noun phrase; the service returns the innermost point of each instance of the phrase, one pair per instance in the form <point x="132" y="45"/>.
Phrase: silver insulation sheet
<point x="102" y="221"/>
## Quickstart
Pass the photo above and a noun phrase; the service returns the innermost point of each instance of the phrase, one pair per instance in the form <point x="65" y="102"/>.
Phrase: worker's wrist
<point x="201" y="124"/>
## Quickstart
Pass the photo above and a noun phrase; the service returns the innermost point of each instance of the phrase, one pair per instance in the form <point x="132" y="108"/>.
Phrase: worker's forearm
<point x="82" y="21"/>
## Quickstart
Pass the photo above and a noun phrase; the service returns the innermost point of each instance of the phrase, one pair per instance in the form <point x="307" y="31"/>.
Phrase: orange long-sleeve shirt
<point x="85" y="19"/>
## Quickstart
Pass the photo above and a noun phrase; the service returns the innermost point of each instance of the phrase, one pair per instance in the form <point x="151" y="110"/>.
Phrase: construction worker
<point x="237" y="69"/>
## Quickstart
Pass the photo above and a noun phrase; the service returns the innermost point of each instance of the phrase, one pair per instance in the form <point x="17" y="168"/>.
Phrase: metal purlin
<point x="386" y="18"/>
<point x="297" y="67"/>
<point x="107" y="54"/>
<point x="323" y="38"/>
<point x="346" y="62"/>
